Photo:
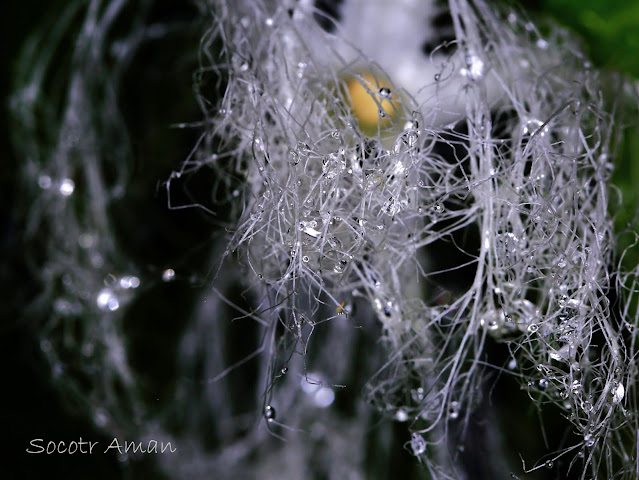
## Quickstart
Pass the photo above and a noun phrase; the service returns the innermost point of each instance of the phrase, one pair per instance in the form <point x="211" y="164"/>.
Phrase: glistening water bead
<point x="417" y="444"/>
<point x="269" y="413"/>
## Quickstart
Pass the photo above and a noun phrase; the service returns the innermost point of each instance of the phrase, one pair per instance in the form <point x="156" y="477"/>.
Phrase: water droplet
<point x="575" y="387"/>
<point x="44" y="182"/>
<point x="385" y="91"/>
<point x="543" y="384"/>
<point x="417" y="444"/>
<point x="324" y="397"/>
<point x="401" y="415"/>
<point x="437" y="77"/>
<point x="269" y="413"/>
<point x="417" y="394"/>
<point x="106" y="300"/>
<point x="284" y="370"/>
<point x="586" y="406"/>
<point x="335" y="242"/>
<point x="269" y="22"/>
<point x="489" y="321"/>
<point x="474" y="67"/>
<point x="127" y="282"/>
<point x="618" y="393"/>
<point x="86" y="240"/>
<point x="67" y="187"/>
<point x="168" y="275"/>
<point x="391" y="207"/>
<point x="340" y="267"/>
<point x="100" y="417"/>
<point x="549" y="464"/>
<point x="305" y="259"/>
<point x="453" y="410"/>
<point x="589" y="440"/>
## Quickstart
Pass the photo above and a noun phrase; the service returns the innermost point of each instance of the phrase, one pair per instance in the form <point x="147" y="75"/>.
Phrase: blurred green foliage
<point x="610" y="32"/>
<point x="610" y="29"/>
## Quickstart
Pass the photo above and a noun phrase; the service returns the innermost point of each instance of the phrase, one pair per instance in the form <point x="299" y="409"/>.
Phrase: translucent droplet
<point x="86" y="240"/>
<point x="391" y="206"/>
<point x="453" y="410"/>
<point x="44" y="182"/>
<point x="437" y="77"/>
<point x="62" y="306"/>
<point x="549" y="464"/>
<point x="586" y="406"/>
<point x="100" y="417"/>
<point x="269" y="413"/>
<point x="106" y="300"/>
<point x="340" y="266"/>
<point x="618" y="393"/>
<point x="474" y="67"/>
<point x="401" y="415"/>
<point x="543" y="384"/>
<point x="589" y="440"/>
<point x="168" y="275"/>
<point x="127" y="282"/>
<point x="417" y="394"/>
<point x="324" y="397"/>
<point x="385" y="91"/>
<point x="489" y="321"/>
<point x="305" y="259"/>
<point x="67" y="187"/>
<point x="269" y="22"/>
<point x="417" y="444"/>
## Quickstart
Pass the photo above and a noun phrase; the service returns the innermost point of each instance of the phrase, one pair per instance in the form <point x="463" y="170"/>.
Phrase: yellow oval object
<point x="372" y="101"/>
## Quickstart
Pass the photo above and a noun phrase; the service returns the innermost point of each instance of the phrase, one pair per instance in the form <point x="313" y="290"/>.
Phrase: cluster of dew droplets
<point x="330" y="213"/>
